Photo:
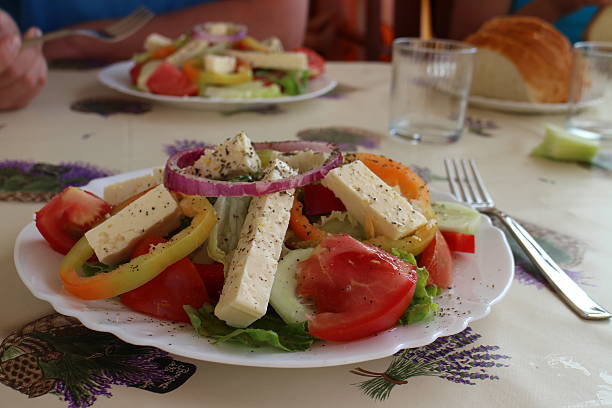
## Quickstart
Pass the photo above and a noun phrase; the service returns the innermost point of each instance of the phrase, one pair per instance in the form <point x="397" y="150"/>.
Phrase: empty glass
<point x="590" y="97"/>
<point x="429" y="89"/>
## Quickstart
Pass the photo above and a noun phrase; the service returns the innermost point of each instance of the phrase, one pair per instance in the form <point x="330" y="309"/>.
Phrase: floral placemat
<point x="58" y="355"/>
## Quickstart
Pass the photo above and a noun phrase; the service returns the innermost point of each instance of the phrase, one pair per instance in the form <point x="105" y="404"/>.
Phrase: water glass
<point x="429" y="89"/>
<point x="590" y="99"/>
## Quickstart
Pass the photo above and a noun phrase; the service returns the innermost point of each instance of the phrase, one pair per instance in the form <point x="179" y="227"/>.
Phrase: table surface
<point x="555" y="359"/>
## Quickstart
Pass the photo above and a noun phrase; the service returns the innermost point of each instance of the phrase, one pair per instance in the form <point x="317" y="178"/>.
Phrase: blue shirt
<point x="572" y="25"/>
<point x="51" y="15"/>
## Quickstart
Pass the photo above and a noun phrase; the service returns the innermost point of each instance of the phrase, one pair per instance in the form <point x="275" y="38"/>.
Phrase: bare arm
<point x="552" y="10"/>
<point x="468" y="15"/>
<point x="285" y="19"/>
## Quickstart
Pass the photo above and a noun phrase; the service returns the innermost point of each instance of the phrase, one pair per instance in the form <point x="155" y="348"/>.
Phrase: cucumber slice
<point x="559" y="144"/>
<point x="456" y="217"/>
<point x="283" y="298"/>
<point x="247" y="90"/>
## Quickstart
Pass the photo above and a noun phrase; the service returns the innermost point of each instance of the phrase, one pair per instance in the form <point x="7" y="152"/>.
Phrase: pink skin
<point x="23" y="71"/>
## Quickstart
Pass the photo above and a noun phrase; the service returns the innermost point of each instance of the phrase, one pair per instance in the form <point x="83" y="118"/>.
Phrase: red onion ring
<point x="200" y="31"/>
<point x="177" y="179"/>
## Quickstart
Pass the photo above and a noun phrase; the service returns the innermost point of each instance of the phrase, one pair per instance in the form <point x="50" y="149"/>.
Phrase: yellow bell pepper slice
<point x="141" y="269"/>
<point x="244" y="74"/>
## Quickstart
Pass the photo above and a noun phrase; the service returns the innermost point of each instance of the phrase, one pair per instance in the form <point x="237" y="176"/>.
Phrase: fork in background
<point x="467" y="185"/>
<point x="113" y="33"/>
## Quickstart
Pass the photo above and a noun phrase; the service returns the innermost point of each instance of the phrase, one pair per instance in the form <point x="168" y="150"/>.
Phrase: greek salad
<point x="276" y="244"/>
<point x="219" y="60"/>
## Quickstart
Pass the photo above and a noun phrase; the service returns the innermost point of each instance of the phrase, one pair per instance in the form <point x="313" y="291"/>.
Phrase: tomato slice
<point x="358" y="290"/>
<point x="69" y="214"/>
<point x="460" y="242"/>
<point x="213" y="278"/>
<point x="316" y="63"/>
<point x="319" y="199"/>
<point x="438" y="261"/>
<point x="169" y="80"/>
<point x="164" y="296"/>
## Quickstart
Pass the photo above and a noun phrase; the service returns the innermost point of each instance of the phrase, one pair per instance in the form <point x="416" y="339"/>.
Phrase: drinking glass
<point x="590" y="99"/>
<point x="429" y="89"/>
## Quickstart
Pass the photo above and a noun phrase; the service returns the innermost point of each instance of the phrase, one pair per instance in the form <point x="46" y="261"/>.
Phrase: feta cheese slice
<point x="301" y="160"/>
<point x="221" y="64"/>
<point x="250" y="275"/>
<point x="118" y="192"/>
<point x="369" y="199"/>
<point x="234" y="157"/>
<point x="272" y="60"/>
<point x="155" y="41"/>
<point x="156" y="212"/>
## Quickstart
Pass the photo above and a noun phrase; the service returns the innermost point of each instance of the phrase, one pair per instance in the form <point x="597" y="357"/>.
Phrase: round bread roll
<point x="521" y="58"/>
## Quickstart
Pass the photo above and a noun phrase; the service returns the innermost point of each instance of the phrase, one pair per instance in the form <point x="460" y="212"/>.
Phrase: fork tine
<point x="471" y="181"/>
<point x="130" y="23"/>
<point x="468" y="185"/>
<point x="465" y="193"/>
<point x="480" y="184"/>
<point x="451" y="175"/>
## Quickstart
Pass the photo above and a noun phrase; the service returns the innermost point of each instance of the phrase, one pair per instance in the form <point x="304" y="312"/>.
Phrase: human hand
<point x="23" y="71"/>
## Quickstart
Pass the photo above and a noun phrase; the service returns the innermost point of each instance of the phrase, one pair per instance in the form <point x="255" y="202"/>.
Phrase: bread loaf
<point x="600" y="28"/>
<point x="521" y="58"/>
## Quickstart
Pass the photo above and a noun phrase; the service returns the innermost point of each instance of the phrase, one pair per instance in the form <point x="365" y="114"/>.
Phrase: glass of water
<point x="590" y="99"/>
<point x="429" y="89"/>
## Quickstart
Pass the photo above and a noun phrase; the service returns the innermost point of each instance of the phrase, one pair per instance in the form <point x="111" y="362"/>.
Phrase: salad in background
<point x="220" y="60"/>
<point x="265" y="244"/>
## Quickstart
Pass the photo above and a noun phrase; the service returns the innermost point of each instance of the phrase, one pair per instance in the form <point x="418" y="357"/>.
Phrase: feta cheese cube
<point x="369" y="199"/>
<point x="118" y="192"/>
<point x="221" y="64"/>
<point x="272" y="60"/>
<point x="156" y="212"/>
<point x="234" y="157"/>
<point x="155" y="41"/>
<point x="250" y="275"/>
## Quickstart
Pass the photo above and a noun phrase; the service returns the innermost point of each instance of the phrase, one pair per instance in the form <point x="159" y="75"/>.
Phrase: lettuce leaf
<point x="422" y="308"/>
<point x="231" y="213"/>
<point x="269" y="331"/>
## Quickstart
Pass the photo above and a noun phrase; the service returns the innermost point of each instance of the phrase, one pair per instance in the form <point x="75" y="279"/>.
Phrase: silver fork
<point x="467" y="185"/>
<point x="113" y="33"/>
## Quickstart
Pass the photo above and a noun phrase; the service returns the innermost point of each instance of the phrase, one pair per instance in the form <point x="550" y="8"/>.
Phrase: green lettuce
<point x="269" y="331"/>
<point x="422" y="308"/>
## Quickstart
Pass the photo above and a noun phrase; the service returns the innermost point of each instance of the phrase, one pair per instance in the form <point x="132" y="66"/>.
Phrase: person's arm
<point x="23" y="71"/>
<point x="285" y="19"/>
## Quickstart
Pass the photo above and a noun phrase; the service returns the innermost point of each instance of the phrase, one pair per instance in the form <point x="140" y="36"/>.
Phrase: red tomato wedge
<point x="319" y="199"/>
<point x="438" y="261"/>
<point x="69" y="214"/>
<point x="164" y="296"/>
<point x="460" y="242"/>
<point x="316" y="63"/>
<point x="358" y="290"/>
<point x="169" y="80"/>
<point x="213" y="278"/>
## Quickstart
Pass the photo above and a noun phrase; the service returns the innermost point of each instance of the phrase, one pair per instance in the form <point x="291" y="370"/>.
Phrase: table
<point x="555" y="359"/>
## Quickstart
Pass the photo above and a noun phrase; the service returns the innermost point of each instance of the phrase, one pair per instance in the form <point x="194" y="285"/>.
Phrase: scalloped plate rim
<point x="236" y="355"/>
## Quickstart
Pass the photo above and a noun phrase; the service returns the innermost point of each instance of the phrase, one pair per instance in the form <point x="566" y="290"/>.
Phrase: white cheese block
<point x="221" y="64"/>
<point x="156" y="212"/>
<point x="273" y="60"/>
<point x="187" y="51"/>
<point x="369" y="199"/>
<point x="234" y="157"/>
<point x="117" y="193"/>
<point x="302" y="160"/>
<point x="250" y="275"/>
<point x="155" y="41"/>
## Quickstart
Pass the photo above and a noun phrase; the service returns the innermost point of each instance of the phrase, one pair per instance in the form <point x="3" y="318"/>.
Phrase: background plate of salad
<point x="481" y="280"/>
<point x="117" y="77"/>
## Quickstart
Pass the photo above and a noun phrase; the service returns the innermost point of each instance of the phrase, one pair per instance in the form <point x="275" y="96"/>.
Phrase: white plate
<point x="481" y="280"/>
<point x="526" y="107"/>
<point x="117" y="77"/>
